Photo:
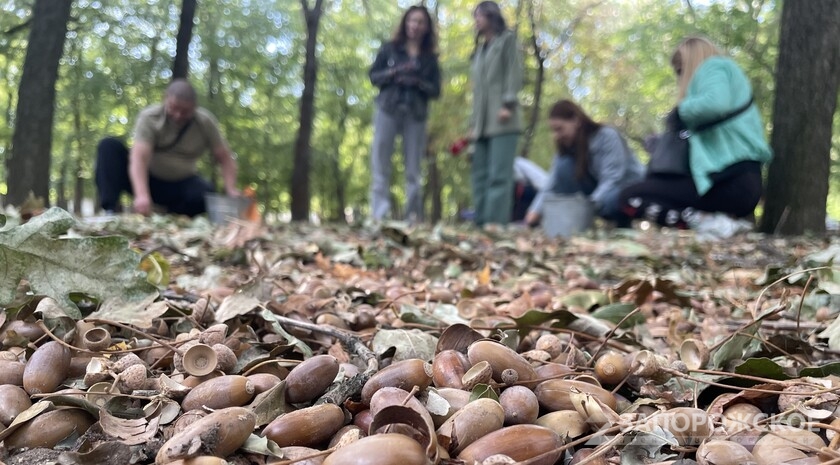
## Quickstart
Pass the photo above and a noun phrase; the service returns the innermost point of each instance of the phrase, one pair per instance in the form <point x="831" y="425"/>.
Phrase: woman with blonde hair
<point x="727" y="147"/>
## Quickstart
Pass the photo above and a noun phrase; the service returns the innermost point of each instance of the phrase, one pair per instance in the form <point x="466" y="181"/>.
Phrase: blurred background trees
<point x="248" y="58"/>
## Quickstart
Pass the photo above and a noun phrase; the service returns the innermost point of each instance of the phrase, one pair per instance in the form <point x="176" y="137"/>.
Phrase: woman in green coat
<point x="495" y="124"/>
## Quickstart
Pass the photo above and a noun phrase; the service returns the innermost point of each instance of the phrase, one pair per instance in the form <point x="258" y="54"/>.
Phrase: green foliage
<point x="246" y="61"/>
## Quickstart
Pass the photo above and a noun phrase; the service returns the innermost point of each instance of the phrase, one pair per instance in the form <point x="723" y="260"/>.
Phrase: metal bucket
<point x="566" y="215"/>
<point x="222" y="209"/>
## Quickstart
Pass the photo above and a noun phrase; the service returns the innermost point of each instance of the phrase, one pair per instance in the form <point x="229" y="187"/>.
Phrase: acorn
<point x="225" y="358"/>
<point x="201" y="460"/>
<point x="404" y="374"/>
<point x="47" y="368"/>
<point x="519" y="442"/>
<point x="218" y="434"/>
<point x="785" y="443"/>
<point x="611" y="368"/>
<point x="388" y="396"/>
<point x="470" y="423"/>
<point x="96" y="339"/>
<point x="500" y="357"/>
<point x="346" y="435"/>
<point x="448" y="367"/>
<point x="132" y="378"/>
<point x="220" y="392"/>
<point x="29" y="330"/>
<point x="566" y="423"/>
<point x="554" y="394"/>
<point x="48" y="429"/>
<point x="520" y="405"/>
<point x="380" y="449"/>
<point x="263" y="382"/>
<point x="311" y="378"/>
<point x="126" y="361"/>
<point x="740" y="417"/>
<point x="13" y="400"/>
<point x="213" y="335"/>
<point x="690" y="426"/>
<point x="11" y="372"/>
<point x="719" y="452"/>
<point x="307" y="427"/>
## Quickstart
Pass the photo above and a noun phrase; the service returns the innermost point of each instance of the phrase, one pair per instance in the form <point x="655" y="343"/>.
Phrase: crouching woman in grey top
<point x="592" y="158"/>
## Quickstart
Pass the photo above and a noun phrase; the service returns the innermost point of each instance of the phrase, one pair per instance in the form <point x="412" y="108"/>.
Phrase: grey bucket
<point x="566" y="215"/>
<point x="222" y="208"/>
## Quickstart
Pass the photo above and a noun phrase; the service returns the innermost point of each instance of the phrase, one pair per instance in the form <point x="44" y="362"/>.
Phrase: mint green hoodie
<point x="718" y="87"/>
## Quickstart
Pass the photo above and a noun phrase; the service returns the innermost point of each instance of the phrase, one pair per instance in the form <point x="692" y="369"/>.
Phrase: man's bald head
<point x="180" y="101"/>
<point x="182" y="90"/>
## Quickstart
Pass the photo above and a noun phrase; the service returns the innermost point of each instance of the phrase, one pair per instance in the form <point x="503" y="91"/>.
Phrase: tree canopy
<point x="247" y="58"/>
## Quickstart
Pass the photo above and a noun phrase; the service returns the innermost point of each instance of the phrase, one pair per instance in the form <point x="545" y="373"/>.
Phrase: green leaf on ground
<point x="762" y="367"/>
<point x="614" y="313"/>
<point x="738" y="346"/>
<point x="819" y="372"/>
<point x="56" y="265"/>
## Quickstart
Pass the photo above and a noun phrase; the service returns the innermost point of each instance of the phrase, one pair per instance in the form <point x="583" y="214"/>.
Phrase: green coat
<point x="717" y="88"/>
<point x="496" y="80"/>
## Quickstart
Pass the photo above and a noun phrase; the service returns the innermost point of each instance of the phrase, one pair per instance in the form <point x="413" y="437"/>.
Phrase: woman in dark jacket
<point x="407" y="74"/>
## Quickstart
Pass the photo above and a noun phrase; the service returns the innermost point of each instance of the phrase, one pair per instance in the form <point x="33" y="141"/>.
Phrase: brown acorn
<point x="448" y="367"/>
<point x="198" y="360"/>
<point x="519" y="442"/>
<point x="611" y="368"/>
<point x="47" y="368"/>
<point x="380" y="449"/>
<point x="11" y="372"/>
<point x="404" y="374"/>
<point x="263" y="382"/>
<point x="219" y="434"/>
<point x="554" y="394"/>
<point x="520" y="405"/>
<point x="13" y="400"/>
<point x="311" y="378"/>
<point x="500" y="357"/>
<point x="220" y="392"/>
<point x="48" y="429"/>
<point x="307" y="427"/>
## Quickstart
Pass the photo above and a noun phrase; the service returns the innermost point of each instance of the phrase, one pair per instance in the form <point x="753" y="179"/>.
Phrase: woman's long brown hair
<point x="568" y="110"/>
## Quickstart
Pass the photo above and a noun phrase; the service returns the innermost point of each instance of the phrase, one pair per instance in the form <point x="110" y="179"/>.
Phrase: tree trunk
<point x="28" y="166"/>
<point x="539" y="56"/>
<point x="807" y="80"/>
<point x="300" y="172"/>
<point x="181" y="65"/>
<point x="339" y="180"/>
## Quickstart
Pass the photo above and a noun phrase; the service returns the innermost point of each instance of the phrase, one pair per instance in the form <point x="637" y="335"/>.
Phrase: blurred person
<point x="407" y="74"/>
<point x="161" y="167"/>
<point x="724" y="184"/>
<point x="592" y="158"/>
<point x="496" y="75"/>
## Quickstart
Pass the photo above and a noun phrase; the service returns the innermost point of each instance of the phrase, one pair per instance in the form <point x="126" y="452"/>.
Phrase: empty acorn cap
<point x="100" y="393"/>
<point x="694" y="354"/>
<point x="97" y="339"/>
<point x="199" y="360"/>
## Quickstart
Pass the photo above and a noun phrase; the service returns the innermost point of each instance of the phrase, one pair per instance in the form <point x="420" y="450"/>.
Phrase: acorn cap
<point x="200" y="360"/>
<point x="97" y="339"/>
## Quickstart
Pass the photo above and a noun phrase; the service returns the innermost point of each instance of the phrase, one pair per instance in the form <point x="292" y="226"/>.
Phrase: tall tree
<point x="28" y="166"/>
<point x="300" y="172"/>
<point x="181" y="65"/>
<point x="807" y="82"/>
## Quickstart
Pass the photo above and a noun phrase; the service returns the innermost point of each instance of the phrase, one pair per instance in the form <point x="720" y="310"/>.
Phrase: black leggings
<point x="184" y="197"/>
<point x="670" y="200"/>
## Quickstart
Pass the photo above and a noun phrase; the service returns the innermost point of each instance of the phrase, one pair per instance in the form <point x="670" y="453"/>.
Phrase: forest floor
<point x="742" y="319"/>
